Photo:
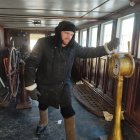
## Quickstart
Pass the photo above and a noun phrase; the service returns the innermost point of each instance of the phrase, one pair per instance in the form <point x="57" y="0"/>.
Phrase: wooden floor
<point x="91" y="100"/>
<point x="21" y="124"/>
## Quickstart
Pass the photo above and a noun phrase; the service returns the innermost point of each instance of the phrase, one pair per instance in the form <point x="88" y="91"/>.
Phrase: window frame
<point x="103" y="29"/>
<point x="119" y="29"/>
<point x="90" y="36"/>
<point x="81" y="37"/>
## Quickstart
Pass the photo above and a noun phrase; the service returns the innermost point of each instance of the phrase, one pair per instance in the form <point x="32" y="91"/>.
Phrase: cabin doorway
<point x="34" y="38"/>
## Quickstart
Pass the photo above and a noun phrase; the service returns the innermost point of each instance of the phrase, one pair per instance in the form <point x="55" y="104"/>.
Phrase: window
<point x="93" y="36"/>
<point x="139" y="48"/>
<point x="34" y="38"/>
<point x="106" y="32"/>
<point x="84" y="38"/>
<point x="76" y="36"/>
<point x="125" y="32"/>
<point x="52" y="34"/>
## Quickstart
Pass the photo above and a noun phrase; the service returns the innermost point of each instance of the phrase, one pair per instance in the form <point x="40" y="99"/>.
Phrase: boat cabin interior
<point x="106" y="90"/>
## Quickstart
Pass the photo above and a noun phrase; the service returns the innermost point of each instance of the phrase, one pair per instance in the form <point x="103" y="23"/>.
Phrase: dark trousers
<point x="67" y="110"/>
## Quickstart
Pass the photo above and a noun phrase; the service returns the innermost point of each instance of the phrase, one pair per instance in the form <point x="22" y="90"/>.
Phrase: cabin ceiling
<point x="46" y="14"/>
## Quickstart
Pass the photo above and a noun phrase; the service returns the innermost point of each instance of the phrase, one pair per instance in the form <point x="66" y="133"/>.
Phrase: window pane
<point x="76" y="36"/>
<point x="34" y="38"/>
<point x="93" y="36"/>
<point x="126" y="33"/>
<point x="139" y="50"/>
<point x="107" y="32"/>
<point x="84" y="38"/>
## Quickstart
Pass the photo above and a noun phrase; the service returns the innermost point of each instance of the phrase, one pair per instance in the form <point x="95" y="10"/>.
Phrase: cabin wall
<point x="95" y="72"/>
<point x="133" y="97"/>
<point x="1" y="37"/>
<point x="19" y="37"/>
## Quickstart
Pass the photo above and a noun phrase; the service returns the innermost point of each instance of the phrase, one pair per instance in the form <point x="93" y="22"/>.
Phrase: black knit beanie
<point x="66" y="26"/>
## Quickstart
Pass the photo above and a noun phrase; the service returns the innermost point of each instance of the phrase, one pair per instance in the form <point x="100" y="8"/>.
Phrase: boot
<point x="42" y="122"/>
<point x="70" y="128"/>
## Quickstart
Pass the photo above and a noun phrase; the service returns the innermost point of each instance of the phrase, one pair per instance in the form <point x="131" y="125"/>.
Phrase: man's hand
<point x="113" y="44"/>
<point x="33" y="94"/>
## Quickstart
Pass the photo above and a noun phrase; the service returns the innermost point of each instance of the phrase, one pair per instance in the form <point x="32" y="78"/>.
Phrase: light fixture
<point x="36" y="22"/>
<point x="132" y="3"/>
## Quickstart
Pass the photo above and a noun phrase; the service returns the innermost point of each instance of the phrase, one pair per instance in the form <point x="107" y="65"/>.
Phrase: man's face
<point x="66" y="37"/>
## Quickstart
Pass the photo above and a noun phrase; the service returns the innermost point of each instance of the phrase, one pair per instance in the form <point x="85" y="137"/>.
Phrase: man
<point x="48" y="73"/>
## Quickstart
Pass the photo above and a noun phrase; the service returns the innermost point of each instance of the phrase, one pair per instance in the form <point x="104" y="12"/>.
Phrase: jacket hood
<point x="64" y="26"/>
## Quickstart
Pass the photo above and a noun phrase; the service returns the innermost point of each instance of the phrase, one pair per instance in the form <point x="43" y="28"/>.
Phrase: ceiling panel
<point x="22" y="13"/>
<point x="107" y="8"/>
<point x="38" y="13"/>
<point x="76" y="5"/>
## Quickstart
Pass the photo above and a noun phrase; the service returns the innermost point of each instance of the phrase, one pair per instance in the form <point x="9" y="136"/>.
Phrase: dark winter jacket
<point x="50" y="65"/>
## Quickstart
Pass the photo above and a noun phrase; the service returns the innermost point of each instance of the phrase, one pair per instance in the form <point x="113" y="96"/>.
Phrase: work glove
<point x="113" y="44"/>
<point x="34" y="94"/>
